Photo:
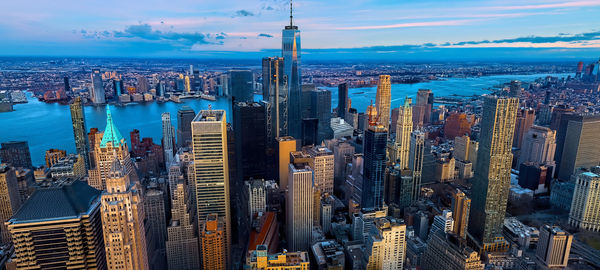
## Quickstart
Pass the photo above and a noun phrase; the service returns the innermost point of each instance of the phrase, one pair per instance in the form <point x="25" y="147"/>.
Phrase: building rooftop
<point x="67" y="201"/>
<point x="209" y="116"/>
<point x="111" y="133"/>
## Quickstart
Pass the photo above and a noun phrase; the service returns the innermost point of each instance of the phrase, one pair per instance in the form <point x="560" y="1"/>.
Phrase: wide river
<point x="47" y="126"/>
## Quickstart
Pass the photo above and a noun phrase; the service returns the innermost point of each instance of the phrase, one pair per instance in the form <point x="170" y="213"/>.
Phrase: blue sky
<point x="330" y="28"/>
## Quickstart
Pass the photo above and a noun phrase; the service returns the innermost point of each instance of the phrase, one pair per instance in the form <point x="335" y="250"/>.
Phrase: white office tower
<point x="585" y="208"/>
<point x="299" y="207"/>
<point x="386" y="245"/>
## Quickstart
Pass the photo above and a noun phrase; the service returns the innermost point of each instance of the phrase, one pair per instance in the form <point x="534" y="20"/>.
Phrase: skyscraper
<point x="154" y="208"/>
<point x="525" y="119"/>
<point x="123" y="221"/>
<point x="97" y="94"/>
<point x="404" y="129"/>
<point x="342" y="100"/>
<point x="585" y="212"/>
<point x="577" y="144"/>
<point x="461" y="207"/>
<point x="285" y="145"/>
<point x="425" y="101"/>
<point x="515" y="88"/>
<point x="310" y="131"/>
<point x="554" y="247"/>
<point x="80" y="131"/>
<point x="256" y="191"/>
<point x="539" y="145"/>
<point x="16" y="153"/>
<point x="168" y="139"/>
<point x="415" y="161"/>
<point x="275" y="93"/>
<point x="210" y="174"/>
<point x="299" y="207"/>
<point x="69" y="215"/>
<point x="321" y="161"/>
<point x="10" y="199"/>
<point x="67" y="85"/>
<point x="321" y="109"/>
<point x="241" y="85"/>
<point x="249" y="128"/>
<point x="185" y="115"/>
<point x="291" y="51"/>
<point x="386" y="244"/>
<point x="107" y="145"/>
<point x="383" y="100"/>
<point x="374" y="167"/>
<point x="492" y="174"/>
<point x="212" y="243"/>
<point x="182" y="242"/>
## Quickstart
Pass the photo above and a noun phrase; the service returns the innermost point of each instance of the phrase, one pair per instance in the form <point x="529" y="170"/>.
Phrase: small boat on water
<point x="358" y="93"/>
<point x="208" y="97"/>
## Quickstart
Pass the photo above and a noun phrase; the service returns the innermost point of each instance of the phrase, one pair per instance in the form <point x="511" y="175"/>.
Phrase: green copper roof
<point x="111" y="133"/>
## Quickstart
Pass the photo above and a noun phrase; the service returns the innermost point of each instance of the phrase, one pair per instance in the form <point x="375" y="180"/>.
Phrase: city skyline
<point x="350" y="30"/>
<point x="232" y="165"/>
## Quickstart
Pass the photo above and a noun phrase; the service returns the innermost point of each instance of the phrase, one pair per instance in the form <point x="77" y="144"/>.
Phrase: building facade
<point x="123" y="217"/>
<point x="210" y="173"/>
<point x="69" y="215"/>
<point x="299" y="207"/>
<point x="383" y="100"/>
<point x="585" y="208"/>
<point x="492" y="174"/>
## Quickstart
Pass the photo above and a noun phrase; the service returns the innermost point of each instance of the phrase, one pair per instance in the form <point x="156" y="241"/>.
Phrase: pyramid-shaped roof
<point x="111" y="133"/>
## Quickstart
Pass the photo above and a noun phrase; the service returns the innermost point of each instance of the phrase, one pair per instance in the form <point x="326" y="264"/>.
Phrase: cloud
<point x="244" y="13"/>
<point x="562" y="37"/>
<point x="145" y="32"/>
<point x="406" y="25"/>
<point x="265" y="35"/>
<point x="547" y="6"/>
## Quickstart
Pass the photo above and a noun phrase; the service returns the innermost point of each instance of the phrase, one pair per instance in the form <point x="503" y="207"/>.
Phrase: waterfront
<point x="48" y="125"/>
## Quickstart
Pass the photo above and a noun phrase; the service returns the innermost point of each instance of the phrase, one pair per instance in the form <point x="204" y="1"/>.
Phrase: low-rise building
<point x="261" y="259"/>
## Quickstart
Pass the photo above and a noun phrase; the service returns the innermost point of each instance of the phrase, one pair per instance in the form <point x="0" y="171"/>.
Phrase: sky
<point x="368" y="29"/>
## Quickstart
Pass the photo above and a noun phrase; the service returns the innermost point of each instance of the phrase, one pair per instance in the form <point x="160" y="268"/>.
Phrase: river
<point x="48" y="125"/>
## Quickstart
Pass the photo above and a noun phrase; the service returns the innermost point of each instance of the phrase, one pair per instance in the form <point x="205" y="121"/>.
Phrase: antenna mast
<point x="291" y="15"/>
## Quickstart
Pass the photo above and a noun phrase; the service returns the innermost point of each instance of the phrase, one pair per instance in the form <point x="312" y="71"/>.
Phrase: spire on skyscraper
<point x="291" y="14"/>
<point x="111" y="133"/>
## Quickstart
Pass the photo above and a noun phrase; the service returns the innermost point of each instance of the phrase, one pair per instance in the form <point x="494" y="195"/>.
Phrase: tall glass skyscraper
<point x="290" y="51"/>
<point x="492" y="176"/>
<point x="374" y="167"/>
<point x="79" y="131"/>
<point x="97" y="94"/>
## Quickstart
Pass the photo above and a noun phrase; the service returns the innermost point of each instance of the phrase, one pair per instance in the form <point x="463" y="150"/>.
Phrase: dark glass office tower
<point x="249" y="129"/>
<point x="321" y="109"/>
<point x="374" y="167"/>
<point x="310" y="131"/>
<point x="491" y="182"/>
<point x="16" y="153"/>
<point x="342" y="100"/>
<point x="82" y="145"/>
<point x="290" y="50"/>
<point x="241" y="85"/>
<point x="577" y="143"/>
<point x="67" y="85"/>
<point x="185" y="115"/>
